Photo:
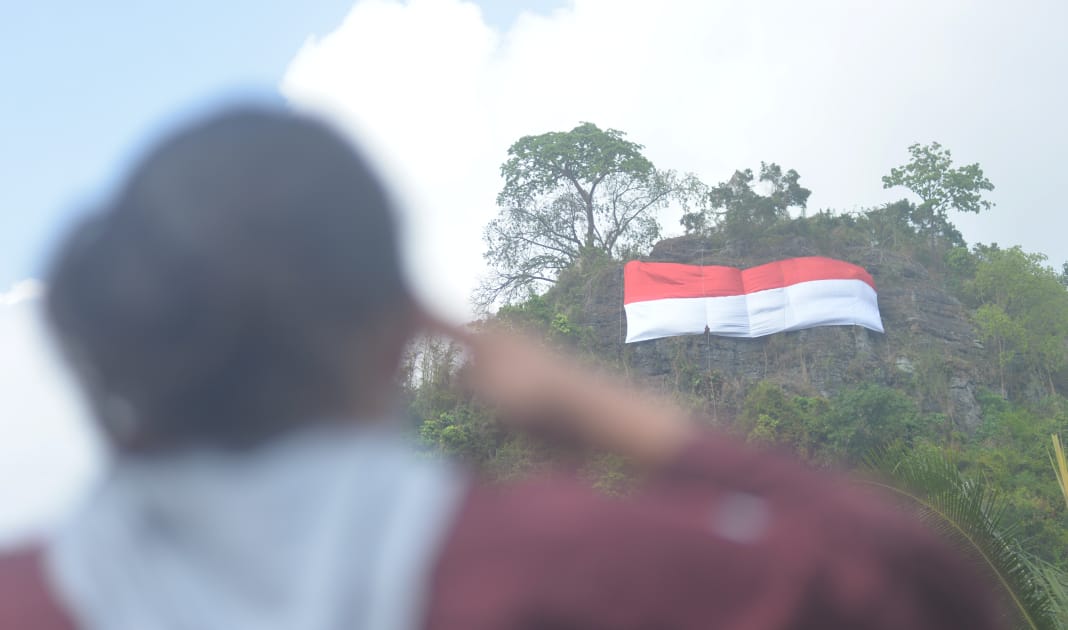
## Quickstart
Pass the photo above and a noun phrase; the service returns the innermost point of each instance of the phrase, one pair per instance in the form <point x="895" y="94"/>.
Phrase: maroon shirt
<point x="721" y="538"/>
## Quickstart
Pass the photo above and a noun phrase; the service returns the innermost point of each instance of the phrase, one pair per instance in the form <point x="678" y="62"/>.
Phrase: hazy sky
<point x="438" y="89"/>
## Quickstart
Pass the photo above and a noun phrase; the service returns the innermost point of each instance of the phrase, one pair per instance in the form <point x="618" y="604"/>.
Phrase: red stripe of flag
<point x="644" y="281"/>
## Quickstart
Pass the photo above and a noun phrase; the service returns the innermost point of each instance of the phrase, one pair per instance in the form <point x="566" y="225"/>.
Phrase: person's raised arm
<point x="543" y="391"/>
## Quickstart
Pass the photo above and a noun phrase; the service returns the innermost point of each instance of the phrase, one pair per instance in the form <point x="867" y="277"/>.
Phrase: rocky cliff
<point x="930" y="348"/>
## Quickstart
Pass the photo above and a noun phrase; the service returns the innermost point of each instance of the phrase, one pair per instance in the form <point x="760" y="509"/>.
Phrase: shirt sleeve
<point x="26" y="599"/>
<point x="722" y="537"/>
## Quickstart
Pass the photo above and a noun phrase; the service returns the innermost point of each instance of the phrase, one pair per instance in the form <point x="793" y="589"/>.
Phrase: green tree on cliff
<point x="739" y="207"/>
<point x="570" y="197"/>
<point x="941" y="188"/>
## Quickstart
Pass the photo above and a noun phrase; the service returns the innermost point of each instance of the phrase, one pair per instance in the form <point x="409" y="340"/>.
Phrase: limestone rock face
<point x="930" y="347"/>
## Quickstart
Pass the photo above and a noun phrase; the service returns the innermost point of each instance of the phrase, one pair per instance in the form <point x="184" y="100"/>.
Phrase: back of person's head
<point x="234" y="287"/>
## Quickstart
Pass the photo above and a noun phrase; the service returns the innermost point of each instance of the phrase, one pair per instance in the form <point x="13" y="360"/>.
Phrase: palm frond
<point x="1055" y="582"/>
<point x="1060" y="466"/>
<point x="969" y="513"/>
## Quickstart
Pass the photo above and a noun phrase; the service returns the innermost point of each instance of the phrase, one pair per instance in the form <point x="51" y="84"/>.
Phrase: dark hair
<point x="218" y="296"/>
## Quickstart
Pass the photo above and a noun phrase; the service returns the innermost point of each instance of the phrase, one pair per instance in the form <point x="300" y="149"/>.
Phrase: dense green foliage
<point x="838" y="430"/>
<point x="1021" y="311"/>
<point x="1015" y="305"/>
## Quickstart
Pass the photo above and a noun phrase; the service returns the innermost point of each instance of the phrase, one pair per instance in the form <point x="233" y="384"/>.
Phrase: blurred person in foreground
<point x="237" y="315"/>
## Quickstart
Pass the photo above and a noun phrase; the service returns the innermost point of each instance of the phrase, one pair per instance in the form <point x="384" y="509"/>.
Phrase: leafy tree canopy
<point x="740" y="208"/>
<point x="930" y="175"/>
<point x="570" y="197"/>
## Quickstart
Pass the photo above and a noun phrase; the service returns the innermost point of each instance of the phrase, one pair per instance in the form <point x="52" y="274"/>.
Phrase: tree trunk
<point x="589" y="222"/>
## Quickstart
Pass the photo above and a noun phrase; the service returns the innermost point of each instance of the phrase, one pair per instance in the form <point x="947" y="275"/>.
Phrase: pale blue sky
<point x="83" y="84"/>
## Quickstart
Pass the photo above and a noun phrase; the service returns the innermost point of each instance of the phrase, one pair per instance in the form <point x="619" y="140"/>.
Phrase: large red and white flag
<point x="667" y="299"/>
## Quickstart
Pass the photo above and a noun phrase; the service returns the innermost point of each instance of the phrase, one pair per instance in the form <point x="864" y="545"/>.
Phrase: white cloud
<point x="48" y="453"/>
<point x="836" y="90"/>
<point x="22" y="291"/>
